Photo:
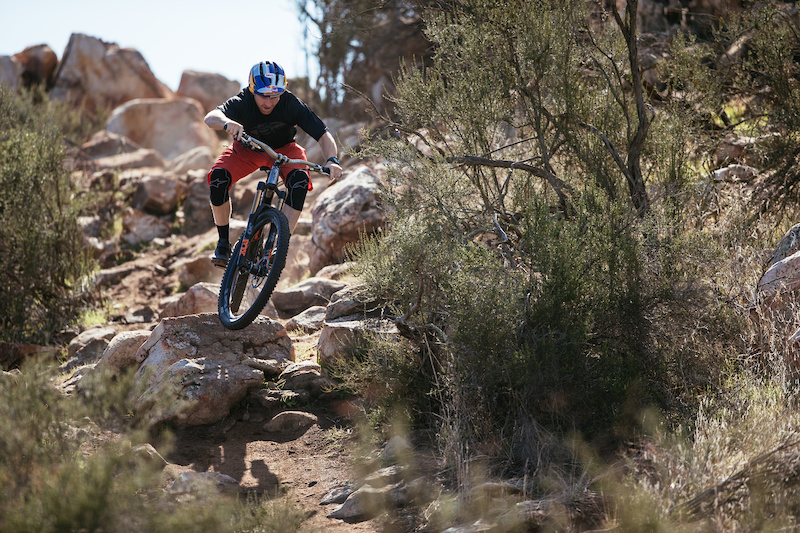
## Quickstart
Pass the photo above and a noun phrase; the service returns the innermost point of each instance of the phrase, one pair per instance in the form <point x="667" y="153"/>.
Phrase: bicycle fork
<point x="265" y="192"/>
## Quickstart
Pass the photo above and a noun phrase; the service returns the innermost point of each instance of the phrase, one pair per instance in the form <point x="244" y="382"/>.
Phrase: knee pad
<point x="296" y="189"/>
<point x="219" y="181"/>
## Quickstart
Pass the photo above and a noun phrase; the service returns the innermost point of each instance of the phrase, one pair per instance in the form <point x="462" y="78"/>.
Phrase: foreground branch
<point x="558" y="186"/>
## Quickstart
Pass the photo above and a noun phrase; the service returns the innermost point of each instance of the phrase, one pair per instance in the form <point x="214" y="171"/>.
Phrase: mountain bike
<point x="259" y="255"/>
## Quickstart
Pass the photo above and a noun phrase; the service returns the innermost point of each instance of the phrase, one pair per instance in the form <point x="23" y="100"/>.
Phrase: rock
<point x="141" y="158"/>
<point x="789" y="244"/>
<point x="304" y="375"/>
<point x="340" y="335"/>
<point x="104" y="144"/>
<point x="297" y="260"/>
<point x="783" y="276"/>
<point x="200" y="298"/>
<point x="313" y="291"/>
<point x="397" y="450"/>
<point x="202" y="482"/>
<point x="368" y="502"/>
<point x="198" y="158"/>
<point x="39" y="64"/>
<point x="209" y="89"/>
<point x="309" y="321"/>
<point x="342" y="214"/>
<point x="10" y="72"/>
<point x="197" y="269"/>
<point x="92" y="341"/>
<point x="351" y="300"/>
<point x="197" y="217"/>
<point x="194" y="370"/>
<point x="337" y="271"/>
<point x="98" y="75"/>
<point x="735" y="173"/>
<point x="158" y="194"/>
<point x="337" y="495"/>
<point x="139" y="227"/>
<point x="291" y="422"/>
<point x="170" y="126"/>
<point x="391" y="475"/>
<point x="122" y="352"/>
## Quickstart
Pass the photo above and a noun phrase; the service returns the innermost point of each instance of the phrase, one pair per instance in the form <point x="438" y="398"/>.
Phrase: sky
<point x="219" y="37"/>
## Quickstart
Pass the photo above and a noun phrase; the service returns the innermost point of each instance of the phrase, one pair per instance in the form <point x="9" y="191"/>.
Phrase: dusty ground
<point x="303" y="467"/>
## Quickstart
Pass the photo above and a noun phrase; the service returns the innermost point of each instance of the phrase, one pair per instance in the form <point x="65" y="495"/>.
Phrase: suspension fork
<point x="265" y="191"/>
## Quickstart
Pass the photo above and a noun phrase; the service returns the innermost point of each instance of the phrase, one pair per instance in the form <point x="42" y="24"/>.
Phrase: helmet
<point x="267" y="79"/>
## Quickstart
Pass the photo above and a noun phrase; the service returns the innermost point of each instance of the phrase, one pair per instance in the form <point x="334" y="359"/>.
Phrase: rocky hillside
<point x="262" y="391"/>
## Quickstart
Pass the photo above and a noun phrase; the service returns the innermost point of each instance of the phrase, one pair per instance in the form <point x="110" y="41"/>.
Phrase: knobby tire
<point x="249" y="279"/>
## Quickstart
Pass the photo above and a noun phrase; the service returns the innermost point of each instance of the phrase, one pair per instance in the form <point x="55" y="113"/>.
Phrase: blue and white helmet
<point x="267" y="79"/>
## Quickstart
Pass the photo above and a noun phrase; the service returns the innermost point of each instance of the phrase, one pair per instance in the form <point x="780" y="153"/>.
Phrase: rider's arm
<point x="216" y="120"/>
<point x="329" y="149"/>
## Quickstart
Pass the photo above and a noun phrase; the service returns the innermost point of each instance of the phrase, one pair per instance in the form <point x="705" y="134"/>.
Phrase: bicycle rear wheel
<point x="253" y="270"/>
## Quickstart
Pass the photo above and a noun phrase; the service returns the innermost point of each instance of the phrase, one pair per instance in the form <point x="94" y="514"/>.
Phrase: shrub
<point x="543" y="298"/>
<point x="41" y="249"/>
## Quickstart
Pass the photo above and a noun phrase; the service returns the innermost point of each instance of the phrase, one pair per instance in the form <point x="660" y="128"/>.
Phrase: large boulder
<point x="194" y="370"/>
<point x="342" y="214"/>
<point x="169" y="126"/>
<point x="208" y="89"/>
<point x="39" y="64"/>
<point x="99" y="75"/>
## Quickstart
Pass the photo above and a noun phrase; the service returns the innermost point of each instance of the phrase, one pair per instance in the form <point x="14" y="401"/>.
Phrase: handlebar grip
<point x="326" y="170"/>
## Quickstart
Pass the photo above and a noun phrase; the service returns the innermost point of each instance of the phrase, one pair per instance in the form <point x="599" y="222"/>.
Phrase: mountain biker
<point x="267" y="111"/>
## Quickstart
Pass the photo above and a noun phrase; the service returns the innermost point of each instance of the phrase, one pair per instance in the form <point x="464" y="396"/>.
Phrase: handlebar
<point x="281" y="159"/>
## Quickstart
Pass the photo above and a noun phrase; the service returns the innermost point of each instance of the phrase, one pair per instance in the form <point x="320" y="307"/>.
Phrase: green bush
<point x="42" y="258"/>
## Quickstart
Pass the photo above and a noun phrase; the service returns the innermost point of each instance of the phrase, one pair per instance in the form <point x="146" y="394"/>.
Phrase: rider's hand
<point x="234" y="129"/>
<point x="336" y="171"/>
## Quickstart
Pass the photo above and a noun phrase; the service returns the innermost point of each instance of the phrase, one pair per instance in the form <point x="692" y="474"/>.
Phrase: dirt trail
<point x="303" y="466"/>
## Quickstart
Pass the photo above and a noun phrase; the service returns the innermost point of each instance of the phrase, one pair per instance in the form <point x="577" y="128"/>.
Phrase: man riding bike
<point x="267" y="111"/>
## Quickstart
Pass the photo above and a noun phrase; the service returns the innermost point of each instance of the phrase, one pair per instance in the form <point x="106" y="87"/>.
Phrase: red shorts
<point x="242" y="161"/>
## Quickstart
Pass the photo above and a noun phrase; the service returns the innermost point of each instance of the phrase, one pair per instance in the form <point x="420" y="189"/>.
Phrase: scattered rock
<point x="291" y="422"/>
<point x="311" y="292"/>
<point x="122" y="352"/>
<point x="309" y="321"/>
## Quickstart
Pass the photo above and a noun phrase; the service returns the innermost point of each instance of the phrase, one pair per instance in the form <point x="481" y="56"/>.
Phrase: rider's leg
<point x="296" y="189"/>
<point x="219" y="181"/>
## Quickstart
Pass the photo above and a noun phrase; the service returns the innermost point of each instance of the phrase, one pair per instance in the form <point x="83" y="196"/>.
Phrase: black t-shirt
<point x="278" y="128"/>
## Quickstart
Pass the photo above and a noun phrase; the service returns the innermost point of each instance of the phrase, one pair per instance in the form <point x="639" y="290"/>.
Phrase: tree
<point x="362" y="45"/>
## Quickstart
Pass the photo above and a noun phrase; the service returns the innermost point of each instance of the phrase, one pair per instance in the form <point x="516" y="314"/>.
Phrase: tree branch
<point x="558" y="186"/>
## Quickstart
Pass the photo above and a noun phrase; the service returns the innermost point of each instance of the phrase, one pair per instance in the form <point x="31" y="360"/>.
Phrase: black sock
<point x="224" y="232"/>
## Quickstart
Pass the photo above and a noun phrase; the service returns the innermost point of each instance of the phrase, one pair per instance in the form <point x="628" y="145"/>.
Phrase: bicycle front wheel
<point x="253" y="270"/>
